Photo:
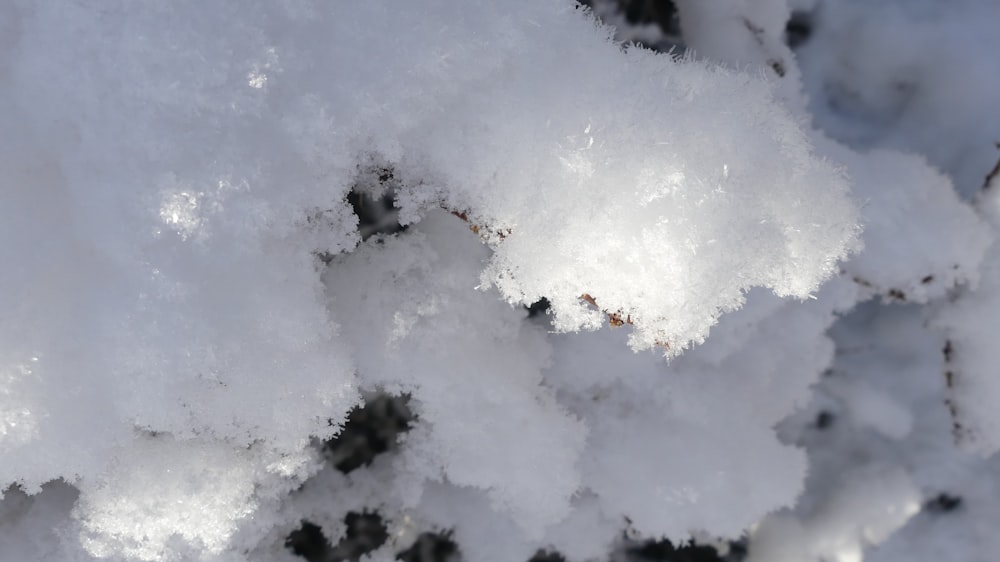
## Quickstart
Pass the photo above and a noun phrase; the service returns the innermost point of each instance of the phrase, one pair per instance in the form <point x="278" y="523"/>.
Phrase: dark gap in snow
<point x="638" y="13"/>
<point x="370" y="430"/>
<point x="547" y="556"/>
<point x="897" y="295"/>
<point x="373" y="196"/>
<point x="377" y="214"/>
<point x="738" y="550"/>
<point x="799" y="29"/>
<point x="662" y="550"/>
<point x="373" y="200"/>
<point x="948" y="350"/>
<point x="365" y="532"/>
<point x="538" y="308"/>
<point x="661" y="12"/>
<point x="431" y="547"/>
<point x="993" y="174"/>
<point x="957" y="428"/>
<point x="943" y="503"/>
<point x="309" y="542"/>
<point x="824" y="419"/>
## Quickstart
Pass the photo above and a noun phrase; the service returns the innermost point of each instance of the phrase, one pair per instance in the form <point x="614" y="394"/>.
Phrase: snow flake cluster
<point x="191" y="303"/>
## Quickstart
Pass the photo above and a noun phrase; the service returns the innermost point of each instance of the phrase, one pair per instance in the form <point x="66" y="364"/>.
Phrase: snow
<point x="190" y="304"/>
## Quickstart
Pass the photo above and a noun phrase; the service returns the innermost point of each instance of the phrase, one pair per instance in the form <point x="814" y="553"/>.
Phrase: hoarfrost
<point x="188" y="304"/>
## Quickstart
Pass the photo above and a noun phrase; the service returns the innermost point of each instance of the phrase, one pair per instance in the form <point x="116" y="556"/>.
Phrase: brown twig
<point x="475" y="227"/>
<point x="615" y="319"/>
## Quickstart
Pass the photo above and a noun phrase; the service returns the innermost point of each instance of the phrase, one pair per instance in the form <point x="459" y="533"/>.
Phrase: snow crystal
<point x="163" y="489"/>
<point x="188" y="304"/>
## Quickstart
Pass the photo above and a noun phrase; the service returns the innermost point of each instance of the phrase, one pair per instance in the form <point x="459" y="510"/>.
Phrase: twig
<point x="615" y="319"/>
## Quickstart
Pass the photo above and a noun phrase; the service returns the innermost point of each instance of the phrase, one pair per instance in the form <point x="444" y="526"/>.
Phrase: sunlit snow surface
<point x="172" y="345"/>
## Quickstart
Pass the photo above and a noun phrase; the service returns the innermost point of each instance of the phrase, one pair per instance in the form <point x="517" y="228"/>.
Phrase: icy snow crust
<point x="171" y="343"/>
